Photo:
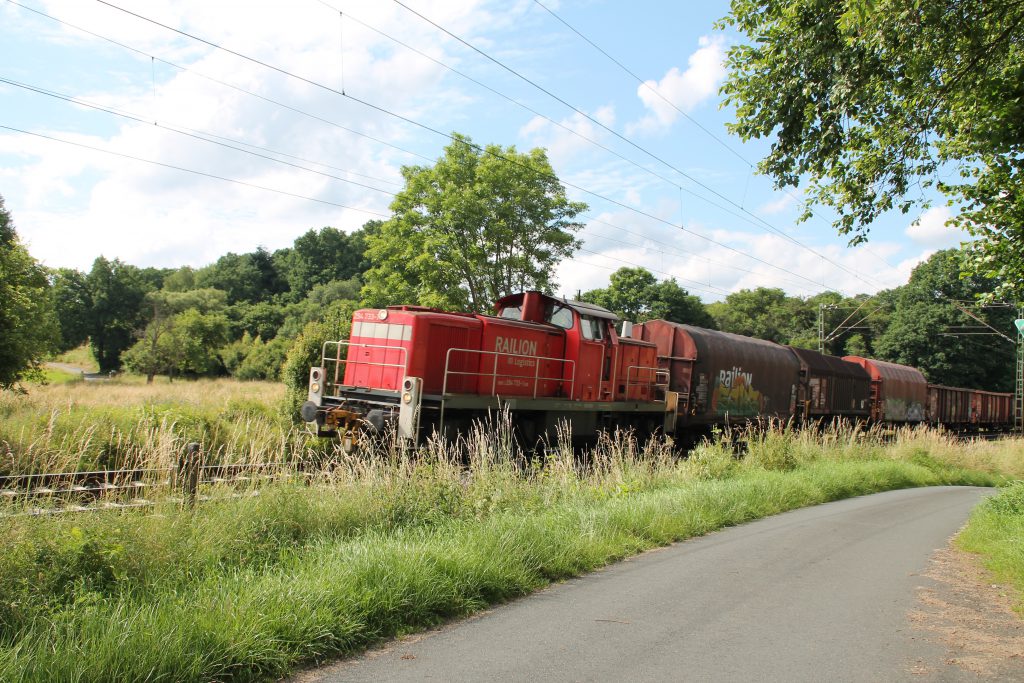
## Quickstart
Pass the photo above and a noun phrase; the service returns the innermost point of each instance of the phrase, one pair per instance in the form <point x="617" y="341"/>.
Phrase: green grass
<point x="996" y="532"/>
<point x="384" y="543"/>
<point x="56" y="376"/>
<point x="124" y="423"/>
<point x="81" y="357"/>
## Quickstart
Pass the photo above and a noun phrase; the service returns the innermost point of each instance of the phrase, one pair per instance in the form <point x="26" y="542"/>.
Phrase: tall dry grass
<point x="127" y="424"/>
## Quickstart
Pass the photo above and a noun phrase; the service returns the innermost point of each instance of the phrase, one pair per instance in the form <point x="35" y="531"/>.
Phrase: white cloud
<point x="683" y="89"/>
<point x="712" y="270"/>
<point x="571" y="136"/>
<point x="73" y="204"/>
<point x="776" y="206"/>
<point x="930" y="230"/>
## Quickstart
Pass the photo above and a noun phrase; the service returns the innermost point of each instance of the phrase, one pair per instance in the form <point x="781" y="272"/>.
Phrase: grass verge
<point x="996" y="532"/>
<point x="249" y="589"/>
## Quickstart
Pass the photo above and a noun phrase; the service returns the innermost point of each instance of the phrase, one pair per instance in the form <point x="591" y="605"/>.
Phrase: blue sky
<point x="673" y="198"/>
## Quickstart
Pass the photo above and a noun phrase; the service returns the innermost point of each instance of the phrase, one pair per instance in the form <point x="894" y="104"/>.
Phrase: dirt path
<point x="76" y="370"/>
<point x="971" y="617"/>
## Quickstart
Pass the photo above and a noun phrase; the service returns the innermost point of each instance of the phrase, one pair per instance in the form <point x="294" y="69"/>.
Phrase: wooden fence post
<point x="189" y="466"/>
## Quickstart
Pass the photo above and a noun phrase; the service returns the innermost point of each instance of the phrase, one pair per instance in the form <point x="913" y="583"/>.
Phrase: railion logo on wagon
<point x="515" y="347"/>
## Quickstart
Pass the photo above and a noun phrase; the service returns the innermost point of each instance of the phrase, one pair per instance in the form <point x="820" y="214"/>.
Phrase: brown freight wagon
<point x="723" y="377"/>
<point x="951" y="406"/>
<point x="993" y="410"/>
<point x="899" y="393"/>
<point x="831" y="387"/>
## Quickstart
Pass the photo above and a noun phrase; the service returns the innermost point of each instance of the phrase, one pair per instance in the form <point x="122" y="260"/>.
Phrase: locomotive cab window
<point x="512" y="313"/>
<point x="592" y="328"/>
<point x="560" y="316"/>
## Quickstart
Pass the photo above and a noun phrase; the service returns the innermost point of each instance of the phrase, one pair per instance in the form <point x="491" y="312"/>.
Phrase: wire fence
<point x="191" y="481"/>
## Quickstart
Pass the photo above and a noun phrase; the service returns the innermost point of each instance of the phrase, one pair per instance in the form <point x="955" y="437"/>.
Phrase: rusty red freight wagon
<point x="951" y="406"/>
<point x="993" y="410"/>
<point x="722" y="377"/>
<point x="899" y="393"/>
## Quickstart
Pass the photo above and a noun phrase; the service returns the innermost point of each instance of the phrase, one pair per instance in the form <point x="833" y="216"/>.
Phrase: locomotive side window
<point x="560" y="316"/>
<point x="592" y="328"/>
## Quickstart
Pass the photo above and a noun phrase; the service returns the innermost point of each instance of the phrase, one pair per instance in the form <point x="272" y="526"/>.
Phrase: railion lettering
<point x="515" y="347"/>
<point x="727" y="378"/>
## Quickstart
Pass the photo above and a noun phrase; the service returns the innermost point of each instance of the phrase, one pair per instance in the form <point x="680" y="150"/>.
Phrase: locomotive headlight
<point x="315" y="387"/>
<point x="406" y="397"/>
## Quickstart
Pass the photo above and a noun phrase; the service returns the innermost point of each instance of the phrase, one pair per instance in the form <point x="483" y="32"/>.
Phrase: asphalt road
<point x="818" y="594"/>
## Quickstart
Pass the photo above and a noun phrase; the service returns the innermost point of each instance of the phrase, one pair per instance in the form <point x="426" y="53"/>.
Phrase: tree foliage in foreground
<point x="479" y="224"/>
<point x="873" y="101"/>
<point x="28" y="324"/>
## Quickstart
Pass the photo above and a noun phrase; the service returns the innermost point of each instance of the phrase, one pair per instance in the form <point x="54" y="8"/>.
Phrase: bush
<point x="306" y="351"/>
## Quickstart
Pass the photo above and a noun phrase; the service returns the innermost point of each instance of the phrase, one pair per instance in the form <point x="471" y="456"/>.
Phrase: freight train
<point x="550" y="360"/>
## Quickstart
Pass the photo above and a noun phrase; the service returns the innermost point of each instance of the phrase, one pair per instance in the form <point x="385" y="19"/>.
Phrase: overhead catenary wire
<point x="220" y="82"/>
<point x="197" y="135"/>
<point x="645" y="84"/>
<point x="698" y="286"/>
<point x="684" y="252"/>
<point x="193" y="171"/>
<point x="625" y="139"/>
<point x="387" y="112"/>
<point x="426" y="127"/>
<point x="739" y="252"/>
<point x="398" y="148"/>
<point x="502" y="95"/>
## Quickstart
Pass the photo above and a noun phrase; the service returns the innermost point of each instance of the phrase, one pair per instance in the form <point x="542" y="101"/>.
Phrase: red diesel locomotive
<point x="549" y="360"/>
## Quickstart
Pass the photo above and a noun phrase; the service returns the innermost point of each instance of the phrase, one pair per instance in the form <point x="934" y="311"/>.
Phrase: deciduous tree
<point x="28" y="323"/>
<point x="635" y="294"/>
<point x="116" y="293"/>
<point x="871" y="102"/>
<point x="479" y="224"/>
<point x="929" y="329"/>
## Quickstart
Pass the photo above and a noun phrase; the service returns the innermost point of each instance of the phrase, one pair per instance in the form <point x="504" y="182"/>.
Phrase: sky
<point x="271" y="118"/>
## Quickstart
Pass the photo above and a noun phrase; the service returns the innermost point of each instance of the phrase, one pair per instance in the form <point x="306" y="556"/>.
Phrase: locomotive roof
<point x="581" y="307"/>
<point x="586" y="308"/>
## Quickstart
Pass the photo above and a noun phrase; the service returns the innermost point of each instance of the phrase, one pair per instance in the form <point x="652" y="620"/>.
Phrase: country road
<point x="817" y="594"/>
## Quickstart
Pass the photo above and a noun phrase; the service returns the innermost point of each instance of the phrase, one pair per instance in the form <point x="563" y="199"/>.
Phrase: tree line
<point x="479" y="224"/>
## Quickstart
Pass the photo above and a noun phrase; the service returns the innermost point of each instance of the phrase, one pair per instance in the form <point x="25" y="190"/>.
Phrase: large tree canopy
<point x="634" y="294"/>
<point x="871" y="101"/>
<point x="930" y="330"/>
<point x="116" y="295"/>
<point x="28" y="324"/>
<point x="476" y="226"/>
